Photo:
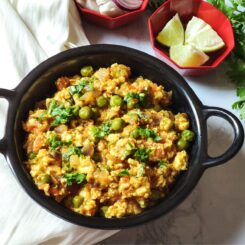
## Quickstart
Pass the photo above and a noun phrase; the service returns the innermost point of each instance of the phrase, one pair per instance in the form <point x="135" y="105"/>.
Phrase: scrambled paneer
<point x="106" y="144"/>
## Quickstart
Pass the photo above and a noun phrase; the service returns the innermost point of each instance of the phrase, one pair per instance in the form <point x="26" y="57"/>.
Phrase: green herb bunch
<point x="235" y="11"/>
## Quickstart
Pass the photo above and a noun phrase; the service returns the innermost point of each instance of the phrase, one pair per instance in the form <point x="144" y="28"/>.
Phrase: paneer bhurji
<point x="106" y="143"/>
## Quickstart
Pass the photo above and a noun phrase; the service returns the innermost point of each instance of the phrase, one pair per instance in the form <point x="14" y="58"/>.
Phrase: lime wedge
<point x="187" y="55"/>
<point x="172" y="33"/>
<point x="202" y="36"/>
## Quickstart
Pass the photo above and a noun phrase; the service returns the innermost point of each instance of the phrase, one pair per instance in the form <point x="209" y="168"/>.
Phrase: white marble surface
<point x="214" y="213"/>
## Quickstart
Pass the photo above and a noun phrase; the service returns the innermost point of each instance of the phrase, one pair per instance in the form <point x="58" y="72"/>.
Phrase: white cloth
<point x="31" y="31"/>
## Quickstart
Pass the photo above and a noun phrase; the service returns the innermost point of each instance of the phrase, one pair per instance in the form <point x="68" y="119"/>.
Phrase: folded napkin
<point x="30" y="32"/>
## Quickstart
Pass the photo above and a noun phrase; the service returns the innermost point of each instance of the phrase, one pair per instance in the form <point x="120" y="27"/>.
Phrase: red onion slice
<point x="128" y="4"/>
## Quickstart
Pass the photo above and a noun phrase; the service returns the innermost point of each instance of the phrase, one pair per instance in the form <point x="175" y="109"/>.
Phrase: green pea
<point x="188" y="135"/>
<point x="85" y="112"/>
<point x="115" y="101"/>
<point x="77" y="201"/>
<point x="101" y="101"/>
<point x="135" y="133"/>
<point x="103" y="210"/>
<point x="45" y="178"/>
<point x="87" y="71"/>
<point x="117" y="124"/>
<point x="182" y="144"/>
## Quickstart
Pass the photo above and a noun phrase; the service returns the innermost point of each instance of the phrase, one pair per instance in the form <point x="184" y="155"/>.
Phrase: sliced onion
<point x="128" y="4"/>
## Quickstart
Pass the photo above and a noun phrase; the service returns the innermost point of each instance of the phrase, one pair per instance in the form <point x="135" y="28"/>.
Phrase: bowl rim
<point x="203" y="67"/>
<point x="99" y="222"/>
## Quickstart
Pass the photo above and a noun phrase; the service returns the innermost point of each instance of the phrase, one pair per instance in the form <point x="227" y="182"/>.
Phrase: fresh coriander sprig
<point x="74" y="177"/>
<point x="236" y="62"/>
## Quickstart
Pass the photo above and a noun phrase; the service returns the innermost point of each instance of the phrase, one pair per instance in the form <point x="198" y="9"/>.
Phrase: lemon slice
<point x="187" y="55"/>
<point x="172" y="33"/>
<point x="201" y="35"/>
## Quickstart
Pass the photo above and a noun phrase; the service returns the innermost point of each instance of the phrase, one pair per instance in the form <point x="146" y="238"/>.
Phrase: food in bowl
<point x="188" y="48"/>
<point x="106" y="143"/>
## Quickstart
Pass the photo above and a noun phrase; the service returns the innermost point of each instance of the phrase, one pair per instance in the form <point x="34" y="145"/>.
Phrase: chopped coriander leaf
<point x="129" y="149"/>
<point x="60" y="114"/>
<point x="135" y="99"/>
<point x="105" y="127"/>
<point x="142" y="154"/>
<point x="102" y="131"/>
<point x="53" y="141"/>
<point x="147" y="133"/>
<point x="82" y="85"/>
<point x="74" y="177"/>
<point x="73" y="150"/>
<point x="162" y="163"/>
<point x="53" y="104"/>
<point x="124" y="173"/>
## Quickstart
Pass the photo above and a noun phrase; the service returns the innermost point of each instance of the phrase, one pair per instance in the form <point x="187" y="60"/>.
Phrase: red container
<point x="186" y="9"/>
<point x="109" y="22"/>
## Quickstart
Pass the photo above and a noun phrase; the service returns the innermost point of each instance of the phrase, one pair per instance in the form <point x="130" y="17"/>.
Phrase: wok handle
<point x="9" y="96"/>
<point x="238" y="135"/>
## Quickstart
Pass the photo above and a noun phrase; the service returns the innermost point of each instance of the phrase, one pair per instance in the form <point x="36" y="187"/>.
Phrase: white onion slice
<point x="128" y="4"/>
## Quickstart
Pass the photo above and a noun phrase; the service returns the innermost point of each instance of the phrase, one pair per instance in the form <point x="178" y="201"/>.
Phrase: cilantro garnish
<point x="53" y="141"/>
<point x="135" y="98"/>
<point x="101" y="131"/>
<point x="73" y="150"/>
<point x="74" y="177"/>
<point x="82" y="85"/>
<point x="162" y="163"/>
<point x="60" y="114"/>
<point x="142" y="154"/>
<point x="124" y="173"/>
<point x="147" y="133"/>
<point x="235" y="11"/>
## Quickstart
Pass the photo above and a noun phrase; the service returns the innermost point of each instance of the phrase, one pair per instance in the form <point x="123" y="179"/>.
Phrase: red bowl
<point x="112" y="22"/>
<point x="186" y="9"/>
